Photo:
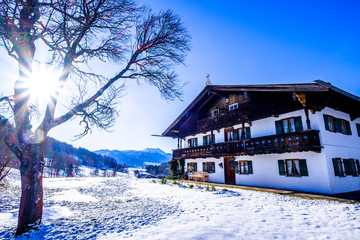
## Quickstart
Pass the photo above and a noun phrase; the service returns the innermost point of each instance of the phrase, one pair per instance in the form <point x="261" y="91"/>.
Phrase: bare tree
<point x="146" y="46"/>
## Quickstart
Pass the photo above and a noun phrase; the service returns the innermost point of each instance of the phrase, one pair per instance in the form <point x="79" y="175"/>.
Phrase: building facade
<point x="302" y="137"/>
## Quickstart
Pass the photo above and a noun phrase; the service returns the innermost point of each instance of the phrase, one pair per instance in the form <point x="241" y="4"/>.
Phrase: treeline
<point x="61" y="159"/>
<point x="161" y="169"/>
<point x="65" y="158"/>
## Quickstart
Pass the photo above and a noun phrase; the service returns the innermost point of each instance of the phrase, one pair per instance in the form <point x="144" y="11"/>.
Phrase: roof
<point x="317" y="86"/>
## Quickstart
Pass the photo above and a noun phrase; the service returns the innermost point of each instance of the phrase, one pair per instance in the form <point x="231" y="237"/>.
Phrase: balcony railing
<point x="222" y="120"/>
<point x="289" y="142"/>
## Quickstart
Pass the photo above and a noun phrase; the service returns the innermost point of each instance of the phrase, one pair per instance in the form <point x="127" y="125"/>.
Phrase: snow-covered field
<point x="129" y="208"/>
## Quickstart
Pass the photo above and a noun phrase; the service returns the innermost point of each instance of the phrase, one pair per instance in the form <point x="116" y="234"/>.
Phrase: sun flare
<point x="43" y="83"/>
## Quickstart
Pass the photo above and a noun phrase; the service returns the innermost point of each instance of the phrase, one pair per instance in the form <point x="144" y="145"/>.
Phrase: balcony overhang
<point x="307" y="140"/>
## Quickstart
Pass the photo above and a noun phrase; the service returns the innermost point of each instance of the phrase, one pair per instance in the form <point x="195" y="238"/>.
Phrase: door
<point x="229" y="170"/>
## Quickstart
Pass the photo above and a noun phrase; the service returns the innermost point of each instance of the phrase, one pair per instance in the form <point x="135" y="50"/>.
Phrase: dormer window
<point x="233" y="106"/>
<point x="215" y="112"/>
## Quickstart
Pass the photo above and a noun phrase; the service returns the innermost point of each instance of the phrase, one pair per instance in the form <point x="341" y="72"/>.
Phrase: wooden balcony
<point x="289" y="142"/>
<point x="227" y="118"/>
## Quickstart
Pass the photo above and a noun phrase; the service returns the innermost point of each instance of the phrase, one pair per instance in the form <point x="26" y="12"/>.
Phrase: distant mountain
<point x="135" y="158"/>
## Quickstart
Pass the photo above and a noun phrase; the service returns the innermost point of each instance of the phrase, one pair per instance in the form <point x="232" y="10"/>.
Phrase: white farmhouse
<point x="302" y="137"/>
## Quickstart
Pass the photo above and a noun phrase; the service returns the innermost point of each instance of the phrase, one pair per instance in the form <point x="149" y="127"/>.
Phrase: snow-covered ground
<point x="129" y="208"/>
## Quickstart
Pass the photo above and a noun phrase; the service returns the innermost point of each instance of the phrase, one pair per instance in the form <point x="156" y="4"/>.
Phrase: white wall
<point x="266" y="172"/>
<point x="218" y="176"/>
<point x="338" y="145"/>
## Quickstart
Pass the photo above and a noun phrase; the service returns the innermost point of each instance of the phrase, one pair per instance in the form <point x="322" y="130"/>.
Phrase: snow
<point x="130" y="208"/>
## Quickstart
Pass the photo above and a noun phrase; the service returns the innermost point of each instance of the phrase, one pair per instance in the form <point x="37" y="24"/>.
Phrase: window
<point x="339" y="125"/>
<point x="329" y="123"/>
<point x="209" y="139"/>
<point x="237" y="133"/>
<point x="346" y="167"/>
<point x="209" y="167"/>
<point x="358" y="128"/>
<point x="350" y="168"/>
<point x="215" y="112"/>
<point x="192" y="142"/>
<point x="338" y="168"/>
<point x="288" y="125"/>
<point x="192" y="167"/>
<point x="233" y="106"/>
<point x="229" y="135"/>
<point x="244" y="167"/>
<point x="293" y="167"/>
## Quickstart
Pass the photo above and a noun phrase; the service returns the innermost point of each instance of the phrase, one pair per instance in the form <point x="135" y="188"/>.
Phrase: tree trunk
<point x="31" y="202"/>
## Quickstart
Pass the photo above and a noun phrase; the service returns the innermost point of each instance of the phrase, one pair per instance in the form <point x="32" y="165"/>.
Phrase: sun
<point x="43" y="83"/>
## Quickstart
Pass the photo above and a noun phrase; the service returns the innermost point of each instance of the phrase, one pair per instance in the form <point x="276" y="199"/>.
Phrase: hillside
<point x="135" y="158"/>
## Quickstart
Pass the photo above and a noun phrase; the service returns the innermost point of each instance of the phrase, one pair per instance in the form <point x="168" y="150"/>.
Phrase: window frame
<point x="208" y="166"/>
<point x="288" y="123"/>
<point x="192" y="164"/>
<point x="340" y="167"/>
<point x="215" y="112"/>
<point x="297" y="125"/>
<point x="247" y="133"/>
<point x="246" y="165"/>
<point x="210" y="139"/>
<point x="233" y="105"/>
<point x="337" y="125"/>
<point x="287" y="167"/>
<point x="193" y="142"/>
<point x="231" y="131"/>
<point x="358" y="128"/>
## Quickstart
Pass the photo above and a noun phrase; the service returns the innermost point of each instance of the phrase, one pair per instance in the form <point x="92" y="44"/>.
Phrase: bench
<point x="202" y="176"/>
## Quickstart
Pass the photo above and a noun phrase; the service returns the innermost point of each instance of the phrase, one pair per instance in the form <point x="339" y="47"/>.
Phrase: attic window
<point x="215" y="112"/>
<point x="233" y="106"/>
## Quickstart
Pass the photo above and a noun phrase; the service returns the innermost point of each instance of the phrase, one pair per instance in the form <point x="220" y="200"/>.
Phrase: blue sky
<point x="239" y="42"/>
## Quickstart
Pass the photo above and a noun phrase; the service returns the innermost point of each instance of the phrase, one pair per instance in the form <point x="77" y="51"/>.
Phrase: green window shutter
<point x="278" y="127"/>
<point x="235" y="134"/>
<point x="236" y="165"/>
<point x="281" y="164"/>
<point x="336" y="167"/>
<point x="213" y="167"/>
<point x="326" y="121"/>
<point x="348" y="128"/>
<point x="195" y="167"/>
<point x="247" y="132"/>
<point x="204" y="167"/>
<point x="250" y="167"/>
<point x="204" y="140"/>
<point x="353" y="168"/>
<point x="358" y="129"/>
<point x="212" y="138"/>
<point x="303" y="167"/>
<point x="347" y="167"/>
<point x="298" y="124"/>
<point x="357" y="166"/>
<point x="195" y="142"/>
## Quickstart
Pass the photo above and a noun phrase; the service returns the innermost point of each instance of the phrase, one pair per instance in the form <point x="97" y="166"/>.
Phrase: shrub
<point x="207" y="188"/>
<point x="163" y="180"/>
<point x="224" y="190"/>
<point x="213" y="188"/>
<point x="174" y="182"/>
<point x="191" y="186"/>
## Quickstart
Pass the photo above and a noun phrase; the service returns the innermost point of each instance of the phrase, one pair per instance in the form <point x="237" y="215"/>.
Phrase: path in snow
<point x="122" y="208"/>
